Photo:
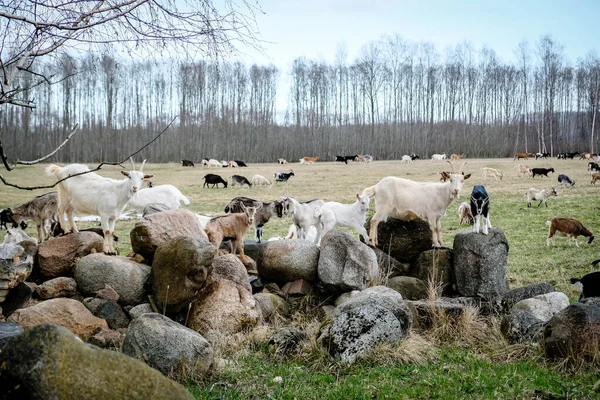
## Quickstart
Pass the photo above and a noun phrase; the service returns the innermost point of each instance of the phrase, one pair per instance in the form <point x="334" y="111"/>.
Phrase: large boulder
<point x="512" y="297"/>
<point x="167" y="346"/>
<point x="62" y="311"/>
<point x="434" y="266"/>
<point x="57" y="256"/>
<point x="345" y="263"/>
<point x="520" y="325"/>
<point x="480" y="263"/>
<point x="574" y="332"/>
<point x="389" y="266"/>
<point x="48" y="362"/>
<point x="229" y="267"/>
<point x="127" y="277"/>
<point x="410" y="288"/>
<point x="288" y="260"/>
<point x="57" y="287"/>
<point x="544" y="306"/>
<point x="179" y="270"/>
<point x="376" y="315"/>
<point x="403" y="240"/>
<point x="158" y="228"/>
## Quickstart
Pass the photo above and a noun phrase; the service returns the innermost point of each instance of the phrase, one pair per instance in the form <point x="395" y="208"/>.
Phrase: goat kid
<point x="565" y="181"/>
<point x="42" y="210"/>
<point x="90" y="193"/>
<point x="168" y="195"/>
<point x="352" y="215"/>
<point x="480" y="207"/>
<point x="231" y="227"/>
<point x="259" y="180"/>
<point x="464" y="214"/>
<point x="303" y="214"/>
<point x="265" y="211"/>
<point x="438" y="157"/>
<point x="569" y="227"/>
<point x="542" y="195"/>
<point x="491" y="172"/>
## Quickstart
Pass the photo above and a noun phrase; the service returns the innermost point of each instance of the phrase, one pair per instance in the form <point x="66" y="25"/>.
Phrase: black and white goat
<point x="264" y="212"/>
<point x="565" y="180"/>
<point x="240" y="180"/>
<point x="593" y="167"/>
<point x="282" y="176"/>
<point x="480" y="207"/>
<point x="589" y="285"/>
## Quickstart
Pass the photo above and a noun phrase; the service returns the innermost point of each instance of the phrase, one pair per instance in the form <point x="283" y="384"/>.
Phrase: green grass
<point x="469" y="369"/>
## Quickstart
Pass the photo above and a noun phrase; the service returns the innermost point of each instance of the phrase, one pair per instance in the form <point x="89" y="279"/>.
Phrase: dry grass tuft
<point x="465" y="329"/>
<point x="413" y="349"/>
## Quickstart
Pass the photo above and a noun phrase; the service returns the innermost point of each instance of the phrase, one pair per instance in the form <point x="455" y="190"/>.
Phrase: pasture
<point x="469" y="366"/>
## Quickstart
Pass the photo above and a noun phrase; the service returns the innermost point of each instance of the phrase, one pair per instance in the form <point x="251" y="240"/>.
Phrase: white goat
<point x="93" y="194"/>
<point x="214" y="163"/>
<point x="438" y="157"/>
<point x="491" y="172"/>
<point x="523" y="169"/>
<point x="406" y="159"/>
<point x="168" y="195"/>
<point x="259" y="180"/>
<point x="542" y="195"/>
<point x="352" y="215"/>
<point x="303" y="214"/>
<point x="16" y="235"/>
<point x="464" y="214"/>
<point x="399" y="197"/>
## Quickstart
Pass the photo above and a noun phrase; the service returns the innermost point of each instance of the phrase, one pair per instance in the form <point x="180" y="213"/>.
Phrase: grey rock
<point x="512" y="297"/>
<point x="410" y="288"/>
<point x="109" y="311"/>
<point x="288" y="260"/>
<point x="153" y="208"/>
<point x="139" y="310"/>
<point x="271" y="305"/>
<point x="434" y="267"/>
<point x="544" y="306"/>
<point x="57" y="287"/>
<point x="8" y="330"/>
<point x="403" y="240"/>
<point x="520" y="326"/>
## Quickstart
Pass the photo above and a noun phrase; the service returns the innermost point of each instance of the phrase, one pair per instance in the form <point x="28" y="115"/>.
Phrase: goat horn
<point x="142" y="168"/>
<point x="461" y="167"/>
<point x="453" y="166"/>
<point x="132" y="165"/>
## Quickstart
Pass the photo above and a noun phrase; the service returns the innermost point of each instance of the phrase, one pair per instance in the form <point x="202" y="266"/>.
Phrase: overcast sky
<point x="315" y="28"/>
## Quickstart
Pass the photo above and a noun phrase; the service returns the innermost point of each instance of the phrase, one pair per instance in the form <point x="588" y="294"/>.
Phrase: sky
<point x="316" y="28"/>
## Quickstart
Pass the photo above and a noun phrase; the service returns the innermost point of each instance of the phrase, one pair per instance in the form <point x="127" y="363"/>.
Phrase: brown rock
<point x="64" y="312"/>
<point x="300" y="286"/>
<point x="107" y="338"/>
<point x="229" y="267"/>
<point x="108" y="293"/>
<point x="57" y="256"/>
<point x="57" y="287"/>
<point x="156" y="229"/>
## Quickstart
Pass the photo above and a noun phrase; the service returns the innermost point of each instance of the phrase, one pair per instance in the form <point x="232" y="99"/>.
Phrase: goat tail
<point x="574" y="280"/>
<point x="185" y="200"/>
<point x="370" y="191"/>
<point x="53" y="170"/>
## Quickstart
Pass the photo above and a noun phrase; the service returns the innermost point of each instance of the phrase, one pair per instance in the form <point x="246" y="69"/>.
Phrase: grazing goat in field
<point x="414" y="156"/>
<point x="464" y="214"/>
<point x="231" y="227"/>
<point x="587" y="156"/>
<point x="593" y="167"/>
<point x="168" y="195"/>
<point x="542" y="195"/>
<point x="589" y="284"/>
<point x="541" y="155"/>
<point x="204" y="162"/>
<point x="541" y="171"/>
<point x="264" y="213"/>
<point x="240" y="163"/>
<point x="16" y="235"/>
<point x="303" y="214"/>
<point x="565" y="181"/>
<point x="491" y="172"/>
<point x="480" y="207"/>
<point x="456" y="157"/>
<point x="224" y="163"/>
<point x="240" y="180"/>
<point x="352" y="215"/>
<point x="406" y="159"/>
<point x="259" y="180"/>
<point x="187" y="163"/>
<point x="526" y="156"/>
<point x="341" y="159"/>
<point x="42" y="209"/>
<point x="93" y="194"/>
<point x="428" y="200"/>
<point x="595" y="177"/>
<point x="571" y="155"/>
<point x="569" y="227"/>
<point x="368" y="158"/>
<point x="214" y="163"/>
<point x="523" y="169"/>
<point x="213" y="179"/>
<point x="309" y="160"/>
<point x="232" y="164"/>
<point x="282" y="176"/>
<point x="438" y="157"/>
<point x="281" y="161"/>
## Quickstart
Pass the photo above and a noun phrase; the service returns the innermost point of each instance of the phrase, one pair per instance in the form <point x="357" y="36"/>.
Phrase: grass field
<point x="457" y="369"/>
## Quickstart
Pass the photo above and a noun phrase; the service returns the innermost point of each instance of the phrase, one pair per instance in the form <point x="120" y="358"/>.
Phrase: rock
<point x="57" y="256"/>
<point x="287" y="340"/>
<point x="299" y="287"/>
<point x="15" y="266"/>
<point x="403" y="240"/>
<point x="377" y="315"/>
<point x="520" y="326"/>
<point x="57" y="287"/>
<point x="154" y="208"/>
<point x="48" y="362"/>
<point x="388" y="265"/>
<point x="16" y="299"/>
<point x="426" y="311"/>
<point x="271" y="305"/>
<point x="574" y="332"/>
<point x="8" y="330"/>
<point x="139" y="310"/>
<point x="345" y="263"/>
<point x="107" y="339"/>
<point x="544" y="306"/>
<point x="107" y="293"/>
<point x="224" y="306"/>
<point x="179" y="270"/>
<point x="109" y="311"/>
<point x="288" y="260"/>
<point x="62" y="311"/>
<point x="229" y="267"/>
<point x="156" y="229"/>
<point x="410" y="288"/>
<point x="167" y="346"/>
<point x="512" y="297"/>
<point x="480" y="263"/>
<point x="434" y="265"/>
<point x="344" y="297"/>
<point x="126" y="277"/>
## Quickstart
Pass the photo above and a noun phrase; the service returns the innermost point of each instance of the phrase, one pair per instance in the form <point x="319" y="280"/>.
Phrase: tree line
<point x="395" y="98"/>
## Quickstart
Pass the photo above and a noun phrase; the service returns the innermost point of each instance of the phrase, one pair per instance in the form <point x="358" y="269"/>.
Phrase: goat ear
<point x="467" y="176"/>
<point x="445" y="174"/>
<point x="148" y="176"/>
<point x="125" y="173"/>
<point x="358" y="196"/>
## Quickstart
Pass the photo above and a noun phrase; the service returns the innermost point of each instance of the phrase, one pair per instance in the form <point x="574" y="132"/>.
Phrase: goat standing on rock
<point x="480" y="207"/>
<point x="231" y="227"/>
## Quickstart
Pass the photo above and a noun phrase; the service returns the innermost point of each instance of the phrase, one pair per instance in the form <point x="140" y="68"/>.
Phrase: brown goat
<point x="41" y="210"/>
<point x="595" y="177"/>
<point x="526" y="156"/>
<point x="569" y="227"/>
<point x="456" y="157"/>
<point x="231" y="227"/>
